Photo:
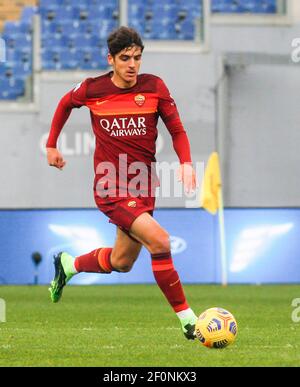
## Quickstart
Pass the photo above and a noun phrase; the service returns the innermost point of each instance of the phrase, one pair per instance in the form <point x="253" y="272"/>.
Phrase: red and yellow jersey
<point x="124" y="120"/>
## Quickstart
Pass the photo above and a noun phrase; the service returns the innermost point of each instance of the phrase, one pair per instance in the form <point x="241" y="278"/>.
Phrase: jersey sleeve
<point x="73" y="99"/>
<point x="78" y="94"/>
<point x="168" y="112"/>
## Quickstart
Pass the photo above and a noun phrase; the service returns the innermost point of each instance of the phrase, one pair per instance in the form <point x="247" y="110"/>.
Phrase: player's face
<point x="126" y="65"/>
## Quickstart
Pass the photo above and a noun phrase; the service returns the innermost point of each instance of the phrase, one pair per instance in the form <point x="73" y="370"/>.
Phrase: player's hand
<point x="186" y="174"/>
<point x="55" y="158"/>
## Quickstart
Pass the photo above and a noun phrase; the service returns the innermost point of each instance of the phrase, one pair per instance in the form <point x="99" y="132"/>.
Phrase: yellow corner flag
<point x="211" y="199"/>
<point x="211" y="185"/>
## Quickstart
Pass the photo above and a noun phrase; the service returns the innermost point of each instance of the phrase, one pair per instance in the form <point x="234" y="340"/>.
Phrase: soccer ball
<point x="216" y="328"/>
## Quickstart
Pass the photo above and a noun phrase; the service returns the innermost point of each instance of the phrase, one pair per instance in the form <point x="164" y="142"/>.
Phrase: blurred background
<point x="232" y="67"/>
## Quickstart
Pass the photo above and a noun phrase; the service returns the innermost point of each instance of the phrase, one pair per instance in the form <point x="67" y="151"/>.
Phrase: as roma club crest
<point x="139" y="99"/>
<point x="132" y="203"/>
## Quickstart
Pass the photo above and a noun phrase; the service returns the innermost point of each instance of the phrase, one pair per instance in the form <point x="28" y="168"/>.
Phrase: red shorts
<point x="123" y="211"/>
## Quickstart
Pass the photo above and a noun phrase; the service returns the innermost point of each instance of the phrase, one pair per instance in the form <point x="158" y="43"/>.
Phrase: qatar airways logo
<point x="124" y="126"/>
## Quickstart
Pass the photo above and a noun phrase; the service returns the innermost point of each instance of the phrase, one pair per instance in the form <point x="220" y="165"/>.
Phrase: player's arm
<point x="73" y="99"/>
<point x="168" y="111"/>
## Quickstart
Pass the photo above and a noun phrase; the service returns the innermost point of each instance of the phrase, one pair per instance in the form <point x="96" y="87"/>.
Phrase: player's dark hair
<point x="123" y="37"/>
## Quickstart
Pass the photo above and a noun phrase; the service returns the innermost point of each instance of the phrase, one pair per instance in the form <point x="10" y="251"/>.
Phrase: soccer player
<point x="124" y="108"/>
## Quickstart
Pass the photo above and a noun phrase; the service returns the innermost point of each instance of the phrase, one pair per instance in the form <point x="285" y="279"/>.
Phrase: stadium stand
<point x="73" y="37"/>
<point x="16" y="17"/>
<point x="171" y="20"/>
<point x="74" y="33"/>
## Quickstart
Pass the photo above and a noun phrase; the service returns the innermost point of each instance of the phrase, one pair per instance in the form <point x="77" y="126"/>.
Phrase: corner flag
<point x="211" y="185"/>
<point x="211" y="199"/>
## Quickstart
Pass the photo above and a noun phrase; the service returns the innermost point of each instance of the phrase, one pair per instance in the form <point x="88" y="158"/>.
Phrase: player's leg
<point x="102" y="260"/>
<point x="125" y="252"/>
<point x="120" y="257"/>
<point x="156" y="239"/>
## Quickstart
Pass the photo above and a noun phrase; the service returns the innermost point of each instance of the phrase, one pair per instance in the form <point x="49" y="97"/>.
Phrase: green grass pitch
<point x="132" y="325"/>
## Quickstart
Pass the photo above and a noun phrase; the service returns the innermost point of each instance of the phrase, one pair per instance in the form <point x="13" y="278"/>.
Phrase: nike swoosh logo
<point x="101" y="102"/>
<point x="174" y="283"/>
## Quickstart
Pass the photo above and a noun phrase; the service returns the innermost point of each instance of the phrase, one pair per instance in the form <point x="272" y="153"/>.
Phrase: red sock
<point x="168" y="280"/>
<point x="97" y="261"/>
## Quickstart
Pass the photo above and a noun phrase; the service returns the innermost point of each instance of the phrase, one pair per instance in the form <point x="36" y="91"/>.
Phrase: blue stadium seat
<point x="46" y="3"/>
<point x="138" y="25"/>
<point x="51" y="58"/>
<point x="241" y="6"/>
<point x="16" y="27"/>
<point x="81" y="3"/>
<point x="136" y="11"/>
<point x="66" y="27"/>
<point x="262" y="6"/>
<point x="111" y="3"/>
<point x="78" y="12"/>
<point x="81" y="41"/>
<point x="90" y="59"/>
<point x="154" y="3"/>
<point x="18" y="40"/>
<point x="10" y="93"/>
<point x="103" y="29"/>
<point x="3" y="72"/>
<point x="26" y="28"/>
<point x="48" y="27"/>
<point x="186" y="30"/>
<point x="69" y="60"/>
<point x="58" y="13"/>
<point x="11" y="27"/>
<point x="15" y="70"/>
<point x="18" y="70"/>
<point x="227" y="6"/>
<point x="58" y="41"/>
<point x="162" y="29"/>
<point x="165" y="11"/>
<point x="18" y="56"/>
<point x="84" y="27"/>
<point x="11" y="83"/>
<point x="27" y="14"/>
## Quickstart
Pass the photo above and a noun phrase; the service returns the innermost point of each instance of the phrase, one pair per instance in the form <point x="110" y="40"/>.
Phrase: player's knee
<point x="123" y="265"/>
<point x="125" y="268"/>
<point x="160" y="243"/>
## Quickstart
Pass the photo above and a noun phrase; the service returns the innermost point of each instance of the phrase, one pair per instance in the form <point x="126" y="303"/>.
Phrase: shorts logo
<point x="139" y="99"/>
<point x="132" y="203"/>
